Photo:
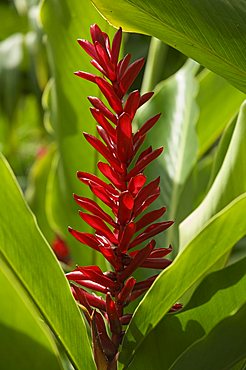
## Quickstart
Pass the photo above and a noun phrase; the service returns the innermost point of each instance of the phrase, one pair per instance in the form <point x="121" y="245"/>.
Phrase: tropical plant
<point x="202" y="184"/>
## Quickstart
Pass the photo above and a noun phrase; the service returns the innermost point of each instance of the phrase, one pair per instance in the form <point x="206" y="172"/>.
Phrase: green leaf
<point x="221" y="349"/>
<point x="214" y="115"/>
<point x="24" y="338"/>
<point x="70" y="114"/>
<point x="212" y="33"/>
<point x="36" y="192"/>
<point x="35" y="266"/>
<point x="176" y="132"/>
<point x="218" y="237"/>
<point x="226" y="186"/>
<point x="219" y="295"/>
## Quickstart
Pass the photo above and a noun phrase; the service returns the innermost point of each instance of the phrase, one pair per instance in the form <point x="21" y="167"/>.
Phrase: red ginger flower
<point x="127" y="195"/>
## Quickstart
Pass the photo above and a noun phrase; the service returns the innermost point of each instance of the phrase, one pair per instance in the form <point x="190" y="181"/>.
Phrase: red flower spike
<point x="145" y="284"/>
<point x="145" y="97"/>
<point x="106" y="138"/>
<point x="108" y="346"/>
<point x="140" y="166"/>
<point x="97" y="65"/>
<point x="97" y="34"/>
<point x="126" y="204"/>
<point x="91" y="285"/>
<point x="144" y="153"/>
<point x="99" y="117"/>
<point x="101" y="193"/>
<point x="93" y="207"/>
<point x="150" y="231"/>
<point x="101" y="148"/>
<point x="126" y="237"/>
<point x="147" y="202"/>
<point x="116" y="46"/>
<point x="98" y="352"/>
<point x="126" y="291"/>
<point x="130" y="74"/>
<point x="85" y="238"/>
<point x="114" y="321"/>
<point x="99" y="226"/>
<point x="96" y="276"/>
<point x="136" y="183"/>
<point x="156" y="263"/>
<point x="127" y="196"/>
<point x="109" y="94"/>
<point x="88" y="179"/>
<point x="150" y="217"/>
<point x="88" y="48"/>
<point x="146" y="191"/>
<point x="98" y="104"/>
<point x="122" y="66"/>
<point x="137" y="261"/>
<point x="124" y="138"/>
<point x="146" y="127"/>
<point x="132" y="103"/>
<point x="111" y="175"/>
<point x="86" y="76"/>
<point x="125" y="319"/>
<point x="80" y="296"/>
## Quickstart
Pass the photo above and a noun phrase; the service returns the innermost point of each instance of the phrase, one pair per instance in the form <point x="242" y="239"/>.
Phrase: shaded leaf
<point x="218" y="237"/>
<point x="35" y="266"/>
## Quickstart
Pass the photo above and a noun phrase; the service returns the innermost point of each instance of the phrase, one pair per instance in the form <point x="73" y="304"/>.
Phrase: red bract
<point x="127" y="196"/>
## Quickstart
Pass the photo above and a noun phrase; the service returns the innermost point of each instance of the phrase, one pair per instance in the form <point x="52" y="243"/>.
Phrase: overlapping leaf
<point x="31" y="260"/>
<point x="212" y="33"/>
<point x="220" y="295"/>
<point x="175" y="99"/>
<point x="213" y="241"/>
<point x="229" y="183"/>
<point x="64" y="23"/>
<point x="23" y="336"/>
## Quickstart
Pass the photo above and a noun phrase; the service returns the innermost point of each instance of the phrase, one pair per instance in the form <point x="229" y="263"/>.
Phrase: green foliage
<point x="177" y="333"/>
<point x="212" y="33"/>
<point x="202" y="170"/>
<point x="24" y="250"/>
<point x="70" y="114"/>
<point x="218" y="236"/>
<point x="22" y="331"/>
<point x="225" y="187"/>
<point x="175" y="97"/>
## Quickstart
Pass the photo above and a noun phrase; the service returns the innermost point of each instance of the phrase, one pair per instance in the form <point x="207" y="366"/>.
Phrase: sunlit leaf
<point x="211" y="244"/>
<point x="212" y="33"/>
<point x="228" y="184"/>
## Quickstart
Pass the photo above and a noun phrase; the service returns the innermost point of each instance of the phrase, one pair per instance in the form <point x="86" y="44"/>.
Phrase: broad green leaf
<point x="195" y="188"/>
<point x="221" y="150"/>
<point x="221" y="349"/>
<point x="26" y="343"/>
<point x="217" y="237"/>
<point x="219" y="103"/>
<point x="229" y="183"/>
<point x="175" y="130"/>
<point x="218" y="296"/>
<point x="212" y="33"/>
<point x="63" y="24"/>
<point x="36" y="192"/>
<point x="35" y="266"/>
